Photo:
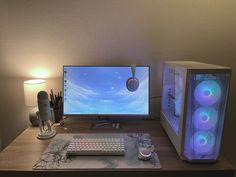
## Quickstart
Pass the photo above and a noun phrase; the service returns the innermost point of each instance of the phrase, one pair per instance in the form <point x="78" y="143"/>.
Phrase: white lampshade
<point x="31" y="89"/>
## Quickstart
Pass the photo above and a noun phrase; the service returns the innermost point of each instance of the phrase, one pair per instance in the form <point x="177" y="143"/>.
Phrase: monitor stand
<point x="106" y="124"/>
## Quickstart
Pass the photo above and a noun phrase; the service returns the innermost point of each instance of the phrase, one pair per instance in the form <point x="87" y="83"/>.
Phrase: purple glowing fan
<point x="205" y="118"/>
<point x="207" y="92"/>
<point x="203" y="143"/>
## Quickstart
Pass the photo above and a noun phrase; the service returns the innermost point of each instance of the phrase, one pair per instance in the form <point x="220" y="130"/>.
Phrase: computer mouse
<point x="144" y="153"/>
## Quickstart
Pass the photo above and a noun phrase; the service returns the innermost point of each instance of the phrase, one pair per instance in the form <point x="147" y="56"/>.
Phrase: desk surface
<point x="20" y="156"/>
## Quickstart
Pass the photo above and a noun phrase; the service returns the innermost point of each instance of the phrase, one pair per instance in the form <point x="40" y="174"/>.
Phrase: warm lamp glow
<point x="40" y="73"/>
<point x="31" y="89"/>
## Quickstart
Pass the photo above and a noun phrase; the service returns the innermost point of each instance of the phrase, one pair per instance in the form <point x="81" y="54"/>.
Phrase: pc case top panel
<point x="206" y="105"/>
<point x="174" y="79"/>
<point x="196" y="65"/>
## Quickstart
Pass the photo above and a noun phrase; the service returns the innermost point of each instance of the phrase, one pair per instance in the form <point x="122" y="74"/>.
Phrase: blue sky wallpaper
<point x="102" y="90"/>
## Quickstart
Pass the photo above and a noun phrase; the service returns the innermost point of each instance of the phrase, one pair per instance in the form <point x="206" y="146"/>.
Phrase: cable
<point x="153" y="97"/>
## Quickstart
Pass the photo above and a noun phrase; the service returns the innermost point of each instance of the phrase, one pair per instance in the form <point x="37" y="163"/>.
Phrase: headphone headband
<point x="133" y="69"/>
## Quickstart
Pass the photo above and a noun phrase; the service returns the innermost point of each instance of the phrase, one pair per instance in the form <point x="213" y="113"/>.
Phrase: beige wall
<point x="47" y="34"/>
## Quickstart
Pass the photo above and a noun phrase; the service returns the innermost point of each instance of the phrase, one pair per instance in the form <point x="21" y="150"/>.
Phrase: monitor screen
<point x="103" y="90"/>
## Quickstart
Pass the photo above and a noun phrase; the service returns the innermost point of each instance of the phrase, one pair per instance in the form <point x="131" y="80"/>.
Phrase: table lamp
<point x="31" y="89"/>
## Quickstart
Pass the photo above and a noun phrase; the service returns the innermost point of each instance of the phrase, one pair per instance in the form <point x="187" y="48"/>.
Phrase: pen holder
<point x="56" y="104"/>
<point x="58" y="113"/>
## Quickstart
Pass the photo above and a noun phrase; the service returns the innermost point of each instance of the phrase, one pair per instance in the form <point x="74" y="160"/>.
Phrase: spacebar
<point x="95" y="152"/>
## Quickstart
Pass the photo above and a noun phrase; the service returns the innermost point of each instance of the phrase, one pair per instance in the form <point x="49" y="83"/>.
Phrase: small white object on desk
<point x="145" y="153"/>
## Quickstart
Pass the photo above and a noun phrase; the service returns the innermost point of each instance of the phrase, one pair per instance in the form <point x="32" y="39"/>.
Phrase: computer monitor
<point x="103" y="91"/>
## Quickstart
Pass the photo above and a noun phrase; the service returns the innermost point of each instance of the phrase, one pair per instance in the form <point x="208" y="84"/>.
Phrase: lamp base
<point x="46" y="135"/>
<point x="33" y="118"/>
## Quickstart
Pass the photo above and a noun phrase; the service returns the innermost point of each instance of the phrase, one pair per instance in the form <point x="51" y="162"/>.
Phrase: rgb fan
<point x="203" y="143"/>
<point x="207" y="92"/>
<point x="205" y="118"/>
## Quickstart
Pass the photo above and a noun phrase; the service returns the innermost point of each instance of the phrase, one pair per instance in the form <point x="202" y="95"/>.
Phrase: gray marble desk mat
<point x="55" y="158"/>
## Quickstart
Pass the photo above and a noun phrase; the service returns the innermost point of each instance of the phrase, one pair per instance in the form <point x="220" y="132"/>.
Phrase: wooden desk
<point x="19" y="157"/>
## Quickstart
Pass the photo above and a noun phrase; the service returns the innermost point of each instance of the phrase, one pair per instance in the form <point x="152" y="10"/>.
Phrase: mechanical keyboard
<point x="96" y="146"/>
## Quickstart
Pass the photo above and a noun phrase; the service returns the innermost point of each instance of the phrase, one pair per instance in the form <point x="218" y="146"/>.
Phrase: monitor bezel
<point x="109" y="116"/>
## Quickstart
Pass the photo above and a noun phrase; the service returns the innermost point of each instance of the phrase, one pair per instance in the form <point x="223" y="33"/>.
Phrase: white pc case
<point x="194" y="99"/>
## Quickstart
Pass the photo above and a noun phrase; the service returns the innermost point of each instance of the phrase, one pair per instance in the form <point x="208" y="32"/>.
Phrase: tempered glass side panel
<point x="172" y="96"/>
<point x="206" y="104"/>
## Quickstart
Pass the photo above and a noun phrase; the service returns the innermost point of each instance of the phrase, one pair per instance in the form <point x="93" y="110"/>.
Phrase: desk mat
<point x="55" y="158"/>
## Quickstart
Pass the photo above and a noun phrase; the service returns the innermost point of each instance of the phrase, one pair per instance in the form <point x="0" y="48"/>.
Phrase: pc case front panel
<point x="173" y="93"/>
<point x="206" y="105"/>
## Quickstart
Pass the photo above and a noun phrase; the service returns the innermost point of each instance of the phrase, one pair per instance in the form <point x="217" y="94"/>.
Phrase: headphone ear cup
<point x="132" y="84"/>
